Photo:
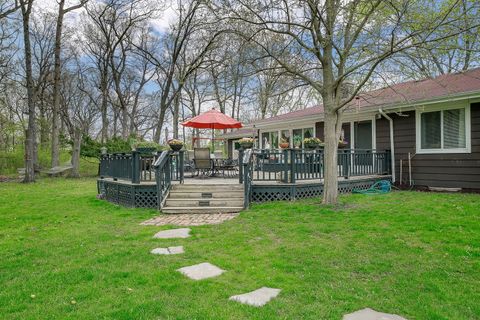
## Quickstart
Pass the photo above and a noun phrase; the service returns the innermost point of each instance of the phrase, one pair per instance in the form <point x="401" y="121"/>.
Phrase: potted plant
<point x="284" y="144"/>
<point x="342" y="144"/>
<point x="175" y="144"/>
<point x="246" y="143"/>
<point x="146" y="146"/>
<point x="297" y="141"/>
<point x="312" y="143"/>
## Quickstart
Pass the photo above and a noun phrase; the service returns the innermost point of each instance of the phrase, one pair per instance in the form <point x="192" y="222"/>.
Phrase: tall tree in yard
<point x="56" y="77"/>
<point x="331" y="43"/>
<point x="30" y="140"/>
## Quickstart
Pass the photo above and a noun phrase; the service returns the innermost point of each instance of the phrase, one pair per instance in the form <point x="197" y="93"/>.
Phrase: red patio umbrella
<point x="212" y="119"/>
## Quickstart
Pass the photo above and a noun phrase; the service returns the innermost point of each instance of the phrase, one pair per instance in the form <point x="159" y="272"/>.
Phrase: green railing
<point x="135" y="167"/>
<point x="290" y="165"/>
<point x="168" y="167"/>
<point x="246" y="171"/>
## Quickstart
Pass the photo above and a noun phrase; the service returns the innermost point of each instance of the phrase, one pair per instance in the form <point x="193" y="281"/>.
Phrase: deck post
<point x="240" y="165"/>
<point x="135" y="167"/>
<point x="293" y="165"/>
<point x="180" y="163"/>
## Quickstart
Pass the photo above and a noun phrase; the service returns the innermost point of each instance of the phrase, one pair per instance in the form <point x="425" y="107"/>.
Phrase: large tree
<point x="333" y="44"/>
<point x="30" y="140"/>
<point x="62" y="11"/>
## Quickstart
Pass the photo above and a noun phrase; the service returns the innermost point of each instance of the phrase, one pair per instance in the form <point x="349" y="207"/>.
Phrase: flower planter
<point x="246" y="145"/>
<point x="284" y="145"/>
<point x="311" y="146"/>
<point x="342" y="145"/>
<point x="176" y="147"/>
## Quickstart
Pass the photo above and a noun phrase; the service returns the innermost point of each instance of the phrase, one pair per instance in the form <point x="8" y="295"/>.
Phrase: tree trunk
<point x="125" y="126"/>
<point x="176" y="110"/>
<point x="77" y="140"/>
<point x="56" y="87"/>
<point x="31" y="129"/>
<point x="104" y="104"/>
<point x="331" y="136"/>
<point x="158" y="130"/>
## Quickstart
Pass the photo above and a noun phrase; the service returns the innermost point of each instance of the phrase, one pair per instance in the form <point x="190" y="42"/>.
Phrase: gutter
<point x="392" y="144"/>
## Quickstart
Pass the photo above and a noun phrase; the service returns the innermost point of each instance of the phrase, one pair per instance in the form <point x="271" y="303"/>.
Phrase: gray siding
<point x="436" y="170"/>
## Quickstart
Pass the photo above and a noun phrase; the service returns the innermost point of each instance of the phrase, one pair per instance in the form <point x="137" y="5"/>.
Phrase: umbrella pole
<point x="213" y="139"/>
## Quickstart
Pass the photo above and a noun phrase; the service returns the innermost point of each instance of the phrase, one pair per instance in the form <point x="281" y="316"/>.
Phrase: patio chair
<point x="202" y="160"/>
<point x="188" y="165"/>
<point x="229" y="168"/>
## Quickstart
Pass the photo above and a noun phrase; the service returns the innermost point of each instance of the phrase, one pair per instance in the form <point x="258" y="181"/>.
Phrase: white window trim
<point x="468" y="140"/>
<point x="374" y="132"/>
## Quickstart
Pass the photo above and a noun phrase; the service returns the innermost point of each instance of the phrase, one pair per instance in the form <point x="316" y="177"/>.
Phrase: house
<point x="431" y="128"/>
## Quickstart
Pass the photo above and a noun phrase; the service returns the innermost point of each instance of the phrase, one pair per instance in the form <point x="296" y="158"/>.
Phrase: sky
<point x="161" y="24"/>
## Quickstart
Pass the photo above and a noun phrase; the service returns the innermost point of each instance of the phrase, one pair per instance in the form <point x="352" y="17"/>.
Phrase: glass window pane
<point x="431" y="130"/>
<point x="265" y="140"/>
<point x="297" y="138"/>
<point x="285" y="136"/>
<point x="274" y="139"/>
<point x="454" y="129"/>
<point x="363" y="134"/>
<point x="307" y="133"/>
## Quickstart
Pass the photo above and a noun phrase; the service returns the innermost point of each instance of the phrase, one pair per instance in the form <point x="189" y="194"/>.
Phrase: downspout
<point x="392" y="145"/>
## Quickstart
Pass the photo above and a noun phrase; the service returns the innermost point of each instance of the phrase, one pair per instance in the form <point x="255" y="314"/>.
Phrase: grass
<point x="414" y="254"/>
<point x="12" y="160"/>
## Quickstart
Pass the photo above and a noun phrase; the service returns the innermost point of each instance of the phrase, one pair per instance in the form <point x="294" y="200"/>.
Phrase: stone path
<point x="194" y="219"/>
<point x="256" y="298"/>
<point x="201" y="271"/>
<point x="173" y="233"/>
<point x="369" y="314"/>
<point x="169" y="250"/>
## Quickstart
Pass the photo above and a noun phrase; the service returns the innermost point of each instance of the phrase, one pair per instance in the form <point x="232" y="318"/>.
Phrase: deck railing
<point x="137" y="167"/>
<point x="290" y="165"/>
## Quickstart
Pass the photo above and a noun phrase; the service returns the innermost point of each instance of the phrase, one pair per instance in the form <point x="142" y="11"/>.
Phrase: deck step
<point x="204" y="198"/>
<point x="201" y="209"/>
<point x="206" y="187"/>
<point x="180" y="194"/>
<point x="205" y="202"/>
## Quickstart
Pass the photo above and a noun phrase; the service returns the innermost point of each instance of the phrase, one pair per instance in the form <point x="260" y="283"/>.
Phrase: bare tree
<point x="7" y="7"/>
<point x="192" y="37"/>
<point x="26" y="8"/>
<point x="62" y="11"/>
<point x="333" y="42"/>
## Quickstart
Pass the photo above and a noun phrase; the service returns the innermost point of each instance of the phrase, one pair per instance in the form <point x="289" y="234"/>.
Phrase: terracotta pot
<point x="284" y="145"/>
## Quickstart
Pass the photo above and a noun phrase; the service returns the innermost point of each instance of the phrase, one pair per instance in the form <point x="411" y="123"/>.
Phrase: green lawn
<point x="415" y="254"/>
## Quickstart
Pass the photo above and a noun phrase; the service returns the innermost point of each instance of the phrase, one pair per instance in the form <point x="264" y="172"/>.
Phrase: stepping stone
<point x="369" y="314"/>
<point x="173" y="233"/>
<point x="169" y="250"/>
<point x="256" y="298"/>
<point x="201" y="271"/>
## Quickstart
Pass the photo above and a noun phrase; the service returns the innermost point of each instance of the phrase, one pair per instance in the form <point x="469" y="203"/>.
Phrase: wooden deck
<point x="219" y="181"/>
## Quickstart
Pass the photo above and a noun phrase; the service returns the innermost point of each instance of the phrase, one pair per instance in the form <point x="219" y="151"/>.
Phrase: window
<point x="362" y="131"/>
<point x="285" y="137"/>
<point x="270" y="140"/>
<point x="444" y="131"/>
<point x="300" y="134"/>
<point x="274" y="139"/>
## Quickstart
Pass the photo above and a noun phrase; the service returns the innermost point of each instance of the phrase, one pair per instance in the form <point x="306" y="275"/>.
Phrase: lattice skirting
<point x="128" y="195"/>
<point x="263" y="193"/>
